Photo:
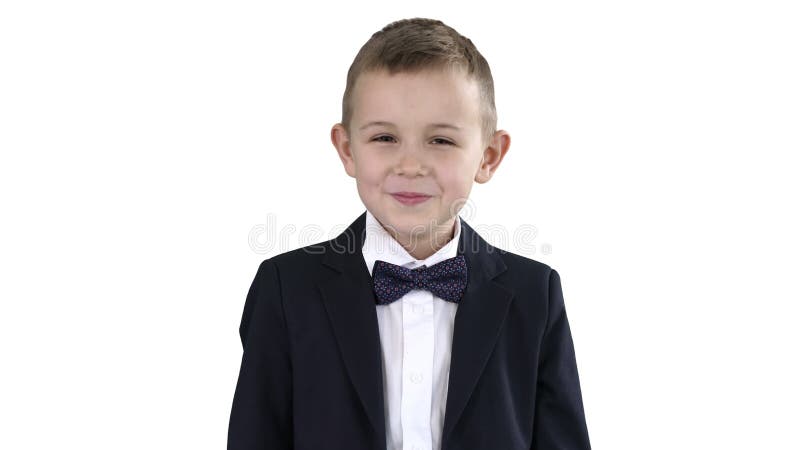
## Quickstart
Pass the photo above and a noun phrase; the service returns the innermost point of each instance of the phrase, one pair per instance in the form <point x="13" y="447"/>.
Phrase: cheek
<point x="455" y="177"/>
<point x="369" y="169"/>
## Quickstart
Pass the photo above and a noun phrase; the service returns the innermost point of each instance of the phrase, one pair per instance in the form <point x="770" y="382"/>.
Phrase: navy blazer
<point x="311" y="371"/>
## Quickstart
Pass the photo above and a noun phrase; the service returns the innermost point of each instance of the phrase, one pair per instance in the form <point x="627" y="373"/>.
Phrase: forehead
<point x="424" y="96"/>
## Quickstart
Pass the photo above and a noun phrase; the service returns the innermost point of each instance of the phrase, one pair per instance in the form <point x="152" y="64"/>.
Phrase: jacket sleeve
<point x="559" y="422"/>
<point x="261" y="415"/>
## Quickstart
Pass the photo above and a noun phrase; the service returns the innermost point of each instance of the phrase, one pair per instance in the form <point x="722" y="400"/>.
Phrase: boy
<point x="408" y="331"/>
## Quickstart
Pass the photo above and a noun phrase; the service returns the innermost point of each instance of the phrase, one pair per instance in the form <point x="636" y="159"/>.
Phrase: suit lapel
<point x="350" y="303"/>
<point x="479" y="317"/>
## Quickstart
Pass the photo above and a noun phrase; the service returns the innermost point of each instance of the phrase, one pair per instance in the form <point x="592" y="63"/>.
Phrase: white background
<point x="154" y="151"/>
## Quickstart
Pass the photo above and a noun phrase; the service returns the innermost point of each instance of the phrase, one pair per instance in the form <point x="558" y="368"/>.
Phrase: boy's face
<point x="416" y="150"/>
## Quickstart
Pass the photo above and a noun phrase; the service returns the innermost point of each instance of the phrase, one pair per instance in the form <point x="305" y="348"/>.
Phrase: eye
<point x="444" y="140"/>
<point x="380" y="137"/>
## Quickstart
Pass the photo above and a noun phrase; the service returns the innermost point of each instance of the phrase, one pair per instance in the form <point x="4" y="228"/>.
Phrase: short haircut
<point x="418" y="44"/>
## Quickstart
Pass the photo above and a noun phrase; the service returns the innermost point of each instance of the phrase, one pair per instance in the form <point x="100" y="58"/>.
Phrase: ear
<point x="341" y="141"/>
<point x="493" y="155"/>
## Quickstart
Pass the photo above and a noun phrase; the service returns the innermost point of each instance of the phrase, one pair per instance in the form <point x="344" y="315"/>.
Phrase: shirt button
<point x="416" y="447"/>
<point x="417" y="309"/>
<point x="416" y="377"/>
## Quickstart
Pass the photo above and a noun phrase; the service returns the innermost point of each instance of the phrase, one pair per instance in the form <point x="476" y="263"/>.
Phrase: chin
<point x="400" y="219"/>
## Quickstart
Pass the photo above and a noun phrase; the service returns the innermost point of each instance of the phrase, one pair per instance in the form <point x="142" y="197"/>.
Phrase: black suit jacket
<point x="311" y="372"/>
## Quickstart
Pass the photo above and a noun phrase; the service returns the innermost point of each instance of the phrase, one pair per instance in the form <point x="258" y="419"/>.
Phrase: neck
<point x="425" y="244"/>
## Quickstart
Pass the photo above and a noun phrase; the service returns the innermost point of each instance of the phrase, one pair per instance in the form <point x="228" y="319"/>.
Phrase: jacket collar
<point x="350" y="302"/>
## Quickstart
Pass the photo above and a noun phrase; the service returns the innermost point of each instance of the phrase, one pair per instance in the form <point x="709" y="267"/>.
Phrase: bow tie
<point x="446" y="280"/>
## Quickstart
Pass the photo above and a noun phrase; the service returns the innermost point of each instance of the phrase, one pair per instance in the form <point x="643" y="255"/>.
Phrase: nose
<point x="410" y="163"/>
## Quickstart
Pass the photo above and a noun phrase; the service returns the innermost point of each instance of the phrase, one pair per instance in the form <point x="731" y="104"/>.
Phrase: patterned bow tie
<point x="446" y="280"/>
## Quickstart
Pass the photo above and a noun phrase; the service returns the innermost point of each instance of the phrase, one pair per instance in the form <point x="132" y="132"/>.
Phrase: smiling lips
<point x="410" y="198"/>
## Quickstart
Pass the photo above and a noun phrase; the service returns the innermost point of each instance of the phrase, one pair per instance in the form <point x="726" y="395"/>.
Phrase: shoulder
<point x="523" y="265"/>
<point x="521" y="262"/>
<point x="297" y="264"/>
<point x="518" y="268"/>
<point x="525" y="274"/>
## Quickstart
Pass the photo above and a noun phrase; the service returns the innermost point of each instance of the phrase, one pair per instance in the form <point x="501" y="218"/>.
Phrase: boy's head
<point x="418" y="115"/>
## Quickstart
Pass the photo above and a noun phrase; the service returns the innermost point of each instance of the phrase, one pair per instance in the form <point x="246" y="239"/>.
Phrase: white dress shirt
<point x="416" y="333"/>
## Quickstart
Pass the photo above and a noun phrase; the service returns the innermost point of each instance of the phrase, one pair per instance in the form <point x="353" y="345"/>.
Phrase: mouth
<point x="410" y="198"/>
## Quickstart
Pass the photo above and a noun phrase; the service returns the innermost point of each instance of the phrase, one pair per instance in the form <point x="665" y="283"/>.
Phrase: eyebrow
<point x="432" y="125"/>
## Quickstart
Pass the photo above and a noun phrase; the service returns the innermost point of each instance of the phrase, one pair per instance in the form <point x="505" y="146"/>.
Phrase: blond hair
<point x="417" y="44"/>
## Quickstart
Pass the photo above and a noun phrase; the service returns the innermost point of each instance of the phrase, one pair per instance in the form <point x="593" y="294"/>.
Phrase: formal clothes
<point x="416" y="334"/>
<point x="323" y="366"/>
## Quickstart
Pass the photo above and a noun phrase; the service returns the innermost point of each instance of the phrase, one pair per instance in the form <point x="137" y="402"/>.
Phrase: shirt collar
<point x="380" y="245"/>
